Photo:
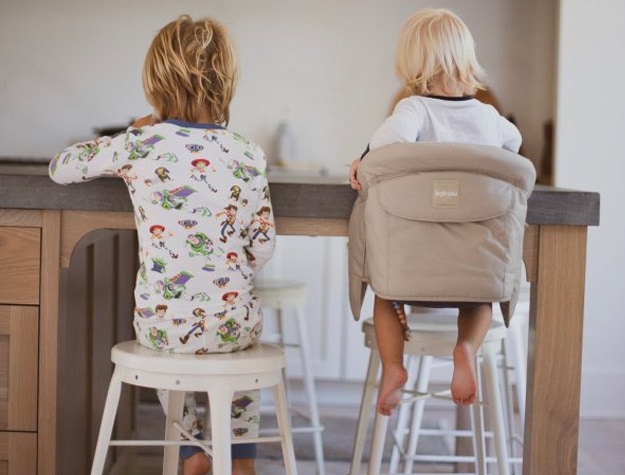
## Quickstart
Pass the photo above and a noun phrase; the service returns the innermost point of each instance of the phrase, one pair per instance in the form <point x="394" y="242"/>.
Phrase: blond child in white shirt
<point x="436" y="62"/>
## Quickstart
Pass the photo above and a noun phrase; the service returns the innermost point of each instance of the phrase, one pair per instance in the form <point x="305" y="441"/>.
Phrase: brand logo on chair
<point x="446" y="194"/>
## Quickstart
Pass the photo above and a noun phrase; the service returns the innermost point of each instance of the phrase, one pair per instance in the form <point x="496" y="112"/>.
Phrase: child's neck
<point x="447" y="90"/>
<point x="204" y="118"/>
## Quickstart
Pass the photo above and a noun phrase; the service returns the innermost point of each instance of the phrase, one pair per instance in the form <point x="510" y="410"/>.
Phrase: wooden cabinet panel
<point x="19" y="342"/>
<point x="19" y="261"/>
<point x="18" y="453"/>
<point x="96" y="308"/>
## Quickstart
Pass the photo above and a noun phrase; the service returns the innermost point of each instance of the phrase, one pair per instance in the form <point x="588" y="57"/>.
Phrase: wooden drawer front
<point x="18" y="453"/>
<point x="19" y="343"/>
<point x="19" y="264"/>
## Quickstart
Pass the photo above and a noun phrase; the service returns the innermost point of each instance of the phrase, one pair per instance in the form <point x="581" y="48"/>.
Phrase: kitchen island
<point x="41" y="224"/>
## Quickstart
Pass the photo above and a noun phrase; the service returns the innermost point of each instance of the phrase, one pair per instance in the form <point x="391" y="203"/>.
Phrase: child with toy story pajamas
<point x="202" y="210"/>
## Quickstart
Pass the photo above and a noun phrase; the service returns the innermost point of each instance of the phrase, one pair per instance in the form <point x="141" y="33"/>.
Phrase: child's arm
<point x="511" y="137"/>
<point x="353" y="175"/>
<point x="262" y="244"/>
<point x="402" y="125"/>
<point x="88" y="160"/>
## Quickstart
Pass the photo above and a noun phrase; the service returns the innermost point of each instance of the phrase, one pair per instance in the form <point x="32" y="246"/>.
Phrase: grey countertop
<point x="26" y="185"/>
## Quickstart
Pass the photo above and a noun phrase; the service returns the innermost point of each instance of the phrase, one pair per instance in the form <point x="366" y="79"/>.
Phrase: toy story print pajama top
<point x="205" y="225"/>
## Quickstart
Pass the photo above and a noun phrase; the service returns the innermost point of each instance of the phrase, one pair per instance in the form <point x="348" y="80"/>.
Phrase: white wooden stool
<point x="282" y="296"/>
<point x="433" y="335"/>
<point x="409" y="424"/>
<point x="219" y="375"/>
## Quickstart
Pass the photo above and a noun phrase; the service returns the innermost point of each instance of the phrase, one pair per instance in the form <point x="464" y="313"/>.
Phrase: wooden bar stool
<point x="219" y="375"/>
<point x="288" y="297"/>
<point x="433" y="335"/>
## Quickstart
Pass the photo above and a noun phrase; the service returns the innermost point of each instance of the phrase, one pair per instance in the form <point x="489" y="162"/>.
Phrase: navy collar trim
<point x="449" y="98"/>
<point x="194" y="125"/>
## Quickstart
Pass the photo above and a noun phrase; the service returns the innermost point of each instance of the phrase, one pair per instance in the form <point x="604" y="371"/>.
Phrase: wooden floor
<point x="601" y="452"/>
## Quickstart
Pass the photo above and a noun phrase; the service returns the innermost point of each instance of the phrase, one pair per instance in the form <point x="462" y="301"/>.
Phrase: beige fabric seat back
<point x="439" y="223"/>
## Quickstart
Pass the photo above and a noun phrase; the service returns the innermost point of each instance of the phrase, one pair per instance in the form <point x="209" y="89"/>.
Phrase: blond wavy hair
<point x="190" y="71"/>
<point x="436" y="47"/>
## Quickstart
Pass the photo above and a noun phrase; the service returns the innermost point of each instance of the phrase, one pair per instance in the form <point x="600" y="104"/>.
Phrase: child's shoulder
<point x="204" y="132"/>
<point x="411" y="103"/>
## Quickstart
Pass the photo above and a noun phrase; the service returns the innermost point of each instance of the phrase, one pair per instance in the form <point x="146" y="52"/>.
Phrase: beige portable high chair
<point x="439" y="225"/>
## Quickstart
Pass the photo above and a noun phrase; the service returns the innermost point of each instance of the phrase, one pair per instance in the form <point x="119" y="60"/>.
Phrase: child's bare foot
<point x="197" y="464"/>
<point x="393" y="379"/>
<point x="464" y="381"/>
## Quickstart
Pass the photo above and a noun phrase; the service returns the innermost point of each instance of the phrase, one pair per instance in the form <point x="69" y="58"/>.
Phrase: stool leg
<point x="221" y="429"/>
<point x="284" y="427"/>
<point x="171" y="453"/>
<point x="403" y="415"/>
<point x="422" y="386"/>
<point x="496" y="409"/>
<point x="520" y="370"/>
<point x="368" y="392"/>
<point x="508" y="397"/>
<point x="311" y="393"/>
<point x="477" y="423"/>
<point x="380" y="424"/>
<point x="106" y="426"/>
<point x="280" y="325"/>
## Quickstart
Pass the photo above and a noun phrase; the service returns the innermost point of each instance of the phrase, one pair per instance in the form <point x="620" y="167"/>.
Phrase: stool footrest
<point x="296" y="430"/>
<point x="206" y="445"/>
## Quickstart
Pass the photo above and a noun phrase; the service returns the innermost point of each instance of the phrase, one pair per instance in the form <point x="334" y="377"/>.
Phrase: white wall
<point x="326" y="66"/>
<point x="589" y="156"/>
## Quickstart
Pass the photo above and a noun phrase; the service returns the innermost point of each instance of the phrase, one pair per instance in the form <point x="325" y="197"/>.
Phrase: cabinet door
<point x="19" y="262"/>
<point x="18" y="453"/>
<point x="19" y="342"/>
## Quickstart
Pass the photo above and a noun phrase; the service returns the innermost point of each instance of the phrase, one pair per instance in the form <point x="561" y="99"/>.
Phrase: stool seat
<point x="275" y="293"/>
<point x="432" y="334"/>
<point x="220" y="375"/>
<point x="131" y="354"/>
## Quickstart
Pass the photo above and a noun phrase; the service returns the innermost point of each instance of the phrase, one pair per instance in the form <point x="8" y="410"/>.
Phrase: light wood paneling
<point x="558" y="297"/>
<point x="48" y="350"/>
<point x="18" y="367"/>
<point x="96" y="311"/>
<point x="102" y="327"/>
<point x="20" y="265"/>
<point x="311" y="226"/>
<point x="76" y="224"/>
<point x="18" y="453"/>
<point x="21" y="218"/>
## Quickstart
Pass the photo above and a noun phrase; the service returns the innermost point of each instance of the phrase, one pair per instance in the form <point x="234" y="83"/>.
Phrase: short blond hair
<point x="189" y="70"/>
<point x="436" y="46"/>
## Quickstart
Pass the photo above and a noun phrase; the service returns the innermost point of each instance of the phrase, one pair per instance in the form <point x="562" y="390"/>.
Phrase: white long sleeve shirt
<point x="436" y="119"/>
